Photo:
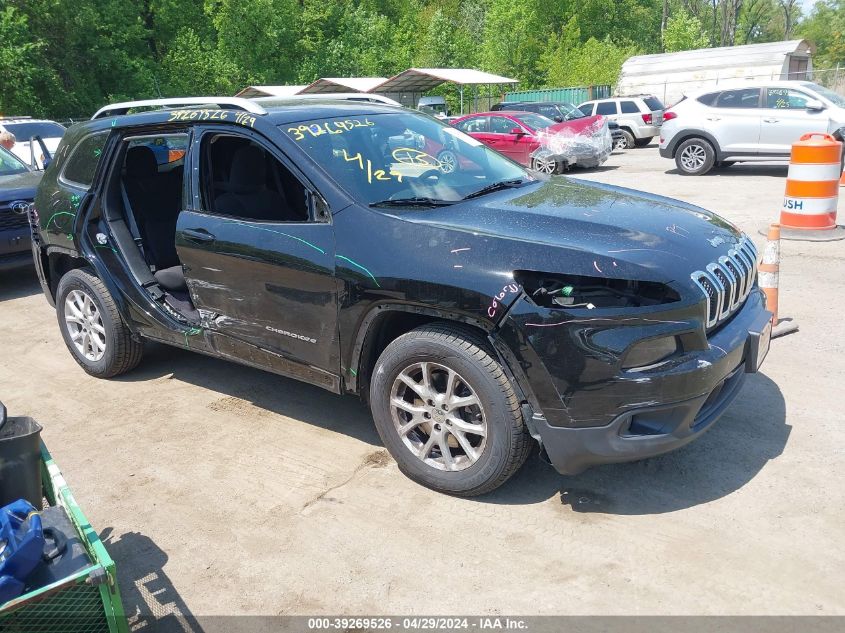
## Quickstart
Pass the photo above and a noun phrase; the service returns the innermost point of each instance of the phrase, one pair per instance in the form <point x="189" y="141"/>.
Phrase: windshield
<point x="25" y="130"/>
<point x="834" y="98"/>
<point x="10" y="164"/>
<point x="570" y="112"/>
<point x="401" y="156"/>
<point x="534" y="121"/>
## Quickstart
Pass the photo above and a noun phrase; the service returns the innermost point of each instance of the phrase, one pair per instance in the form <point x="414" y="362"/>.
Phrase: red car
<point x="538" y="142"/>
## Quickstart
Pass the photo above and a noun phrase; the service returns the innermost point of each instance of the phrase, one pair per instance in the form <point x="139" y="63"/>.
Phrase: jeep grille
<point x="727" y="281"/>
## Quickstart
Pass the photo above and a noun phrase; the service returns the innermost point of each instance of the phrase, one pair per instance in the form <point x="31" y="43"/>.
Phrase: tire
<point x="695" y="157"/>
<point x="445" y="351"/>
<point x="546" y="166"/>
<point x="620" y="144"/>
<point x="642" y="142"/>
<point x="83" y="304"/>
<point x="630" y="141"/>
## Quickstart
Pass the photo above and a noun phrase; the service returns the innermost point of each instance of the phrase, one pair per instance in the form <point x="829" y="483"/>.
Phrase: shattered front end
<point x="564" y="147"/>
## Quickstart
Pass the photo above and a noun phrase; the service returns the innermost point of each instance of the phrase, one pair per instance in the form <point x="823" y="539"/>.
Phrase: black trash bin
<point x="20" y="459"/>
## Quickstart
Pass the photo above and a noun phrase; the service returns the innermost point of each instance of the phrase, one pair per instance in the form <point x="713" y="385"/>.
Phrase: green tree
<point x="19" y="67"/>
<point x="825" y="27"/>
<point x="683" y="33"/>
<point x="512" y="40"/>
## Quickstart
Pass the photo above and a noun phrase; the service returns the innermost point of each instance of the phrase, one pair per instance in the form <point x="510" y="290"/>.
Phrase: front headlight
<point x="551" y="290"/>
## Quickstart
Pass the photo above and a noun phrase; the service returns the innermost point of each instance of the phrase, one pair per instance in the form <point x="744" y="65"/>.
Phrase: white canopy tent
<point x="416" y="81"/>
<point x="343" y="84"/>
<point x="269" y="91"/>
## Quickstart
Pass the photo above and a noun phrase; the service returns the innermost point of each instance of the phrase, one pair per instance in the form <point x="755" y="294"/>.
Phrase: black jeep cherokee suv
<point x="375" y="251"/>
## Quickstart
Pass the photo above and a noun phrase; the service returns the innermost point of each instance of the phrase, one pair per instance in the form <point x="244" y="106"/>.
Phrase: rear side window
<point x="627" y="107"/>
<point x="606" y="107"/>
<point x="745" y="98"/>
<point x="82" y="164"/>
<point x="709" y="99"/>
<point x="653" y="103"/>
<point x="587" y="108"/>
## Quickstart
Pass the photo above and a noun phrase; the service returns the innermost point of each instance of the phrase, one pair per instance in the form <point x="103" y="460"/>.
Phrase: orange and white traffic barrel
<point x="812" y="188"/>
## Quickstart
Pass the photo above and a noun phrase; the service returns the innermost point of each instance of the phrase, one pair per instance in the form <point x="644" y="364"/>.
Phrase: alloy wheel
<point x="438" y="416"/>
<point x="693" y="157"/>
<point x="545" y="165"/>
<point x="448" y="162"/>
<point x="85" y="325"/>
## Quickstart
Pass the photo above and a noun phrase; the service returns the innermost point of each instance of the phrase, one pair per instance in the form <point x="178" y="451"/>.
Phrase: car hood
<point x="585" y="125"/>
<point x="19" y="186"/>
<point x="578" y="227"/>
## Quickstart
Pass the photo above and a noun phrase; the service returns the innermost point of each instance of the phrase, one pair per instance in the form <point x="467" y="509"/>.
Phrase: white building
<point x="669" y="75"/>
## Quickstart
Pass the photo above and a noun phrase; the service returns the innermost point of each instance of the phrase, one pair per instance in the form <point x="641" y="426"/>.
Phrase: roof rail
<point x="235" y="103"/>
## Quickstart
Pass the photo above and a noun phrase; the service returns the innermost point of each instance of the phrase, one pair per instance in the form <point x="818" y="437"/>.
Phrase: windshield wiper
<point x="412" y="202"/>
<point x="496" y="186"/>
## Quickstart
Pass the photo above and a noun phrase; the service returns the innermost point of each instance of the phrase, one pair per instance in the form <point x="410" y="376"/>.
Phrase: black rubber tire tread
<point x="630" y="139"/>
<point x="643" y="142"/>
<point x="472" y="343"/>
<point x="123" y="353"/>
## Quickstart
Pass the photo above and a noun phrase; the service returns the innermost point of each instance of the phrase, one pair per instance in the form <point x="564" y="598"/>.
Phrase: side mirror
<point x="814" y="104"/>
<point x="518" y="131"/>
<point x="559" y="119"/>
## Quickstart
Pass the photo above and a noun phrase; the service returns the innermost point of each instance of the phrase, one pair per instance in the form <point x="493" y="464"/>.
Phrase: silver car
<point x="748" y="121"/>
<point x="639" y="117"/>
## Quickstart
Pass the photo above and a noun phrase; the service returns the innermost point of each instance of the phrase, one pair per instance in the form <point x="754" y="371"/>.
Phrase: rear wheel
<point x="695" y="157"/>
<point x="630" y="140"/>
<point x="447" y="412"/>
<point x="92" y="327"/>
<point x="642" y="142"/>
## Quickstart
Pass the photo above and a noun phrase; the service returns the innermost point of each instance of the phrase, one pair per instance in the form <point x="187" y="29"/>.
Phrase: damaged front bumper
<point x="584" y="150"/>
<point x="627" y="416"/>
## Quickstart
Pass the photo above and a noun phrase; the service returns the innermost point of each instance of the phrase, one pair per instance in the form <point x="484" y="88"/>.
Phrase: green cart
<point x="87" y="601"/>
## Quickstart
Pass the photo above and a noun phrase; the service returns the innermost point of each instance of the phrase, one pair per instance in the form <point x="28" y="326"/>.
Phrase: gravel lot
<point x="221" y="489"/>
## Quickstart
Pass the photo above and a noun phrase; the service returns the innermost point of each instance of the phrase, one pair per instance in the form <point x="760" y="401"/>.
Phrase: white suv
<point x="639" y="117"/>
<point x="751" y="121"/>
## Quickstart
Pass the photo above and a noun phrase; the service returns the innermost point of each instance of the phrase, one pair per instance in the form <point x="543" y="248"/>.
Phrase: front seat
<point x="248" y="196"/>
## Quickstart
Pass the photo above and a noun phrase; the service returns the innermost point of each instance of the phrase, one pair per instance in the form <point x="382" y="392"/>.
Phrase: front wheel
<point x="695" y="157"/>
<point x="447" y="412"/>
<point x="92" y="327"/>
<point x="545" y="165"/>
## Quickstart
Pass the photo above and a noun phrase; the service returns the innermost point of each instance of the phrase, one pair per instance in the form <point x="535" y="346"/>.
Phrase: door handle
<point x="198" y="235"/>
<point x="714" y="118"/>
<point x="771" y="120"/>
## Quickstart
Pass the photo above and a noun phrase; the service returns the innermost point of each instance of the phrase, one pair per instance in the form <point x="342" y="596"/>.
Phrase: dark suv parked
<point x="18" y="184"/>
<point x="474" y="307"/>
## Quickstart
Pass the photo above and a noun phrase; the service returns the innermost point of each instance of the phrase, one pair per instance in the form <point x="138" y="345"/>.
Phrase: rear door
<point x="735" y="120"/>
<point x="257" y="247"/>
<point x="786" y="118"/>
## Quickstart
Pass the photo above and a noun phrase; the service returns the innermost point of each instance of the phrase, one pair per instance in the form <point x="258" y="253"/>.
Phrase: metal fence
<point x="574" y="95"/>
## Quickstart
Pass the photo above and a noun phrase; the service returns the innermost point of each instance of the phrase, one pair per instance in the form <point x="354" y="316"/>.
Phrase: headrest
<point x="249" y="170"/>
<point x="141" y="162"/>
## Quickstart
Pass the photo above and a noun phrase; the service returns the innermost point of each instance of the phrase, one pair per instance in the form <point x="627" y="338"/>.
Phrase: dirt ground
<point x="220" y="489"/>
